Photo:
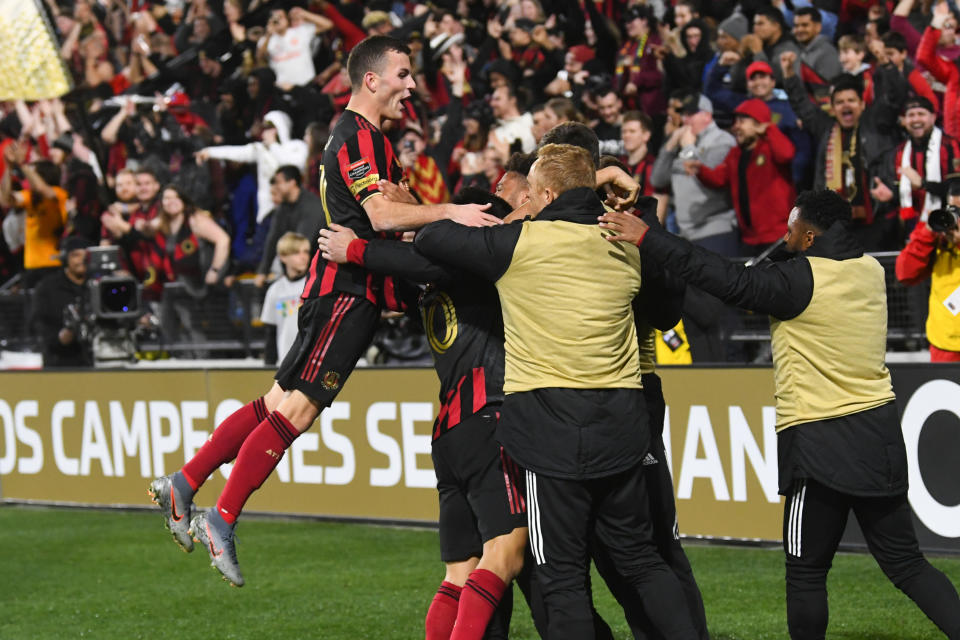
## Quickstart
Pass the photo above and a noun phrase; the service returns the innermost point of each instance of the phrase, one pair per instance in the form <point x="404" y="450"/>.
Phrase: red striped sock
<point x="443" y="611"/>
<point x="224" y="443"/>
<point x="258" y="457"/>
<point x="479" y="600"/>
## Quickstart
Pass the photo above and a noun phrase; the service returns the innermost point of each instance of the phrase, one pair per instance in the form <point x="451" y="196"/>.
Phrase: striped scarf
<point x="427" y="180"/>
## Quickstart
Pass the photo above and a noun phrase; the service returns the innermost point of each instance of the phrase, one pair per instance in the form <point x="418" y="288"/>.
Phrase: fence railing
<point x="225" y="322"/>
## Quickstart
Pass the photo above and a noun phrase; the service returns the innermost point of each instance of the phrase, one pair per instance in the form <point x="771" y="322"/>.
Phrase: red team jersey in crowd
<point x="356" y="158"/>
<point x="641" y="173"/>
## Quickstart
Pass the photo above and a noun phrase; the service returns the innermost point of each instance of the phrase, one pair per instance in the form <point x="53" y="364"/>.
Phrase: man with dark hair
<point x="340" y="312"/>
<point x="577" y="134"/>
<point x="852" y="143"/>
<point x="817" y="53"/>
<point x="625" y="188"/>
<point x="839" y="446"/>
<point x="299" y="211"/>
<point x="827" y="10"/>
<point x="771" y="39"/>
<point x="573" y="415"/>
<point x="513" y="186"/>
<point x="610" y="110"/>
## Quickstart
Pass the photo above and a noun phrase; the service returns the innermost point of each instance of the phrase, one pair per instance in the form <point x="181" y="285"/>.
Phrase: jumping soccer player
<point x="482" y="499"/>
<point x="340" y="312"/>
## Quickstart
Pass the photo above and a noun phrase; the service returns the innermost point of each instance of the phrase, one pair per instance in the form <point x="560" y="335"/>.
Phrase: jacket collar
<point x="580" y="205"/>
<point x="836" y="243"/>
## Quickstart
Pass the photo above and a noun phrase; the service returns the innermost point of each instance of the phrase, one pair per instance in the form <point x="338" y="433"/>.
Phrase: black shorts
<point x="332" y="333"/>
<point x="482" y="490"/>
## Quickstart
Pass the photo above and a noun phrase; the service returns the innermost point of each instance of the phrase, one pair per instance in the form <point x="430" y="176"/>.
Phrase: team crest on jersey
<point x="358" y="169"/>
<point x="330" y="381"/>
<point x="761" y="160"/>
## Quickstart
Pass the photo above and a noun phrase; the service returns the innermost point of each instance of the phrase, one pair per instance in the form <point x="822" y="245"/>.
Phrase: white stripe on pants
<point x="795" y="524"/>
<point x="533" y="519"/>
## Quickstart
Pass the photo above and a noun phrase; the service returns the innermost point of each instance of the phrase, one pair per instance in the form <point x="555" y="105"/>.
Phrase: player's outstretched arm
<point x="389" y="257"/>
<point x="401" y="216"/>
<point x="782" y="290"/>
<point x="485" y="251"/>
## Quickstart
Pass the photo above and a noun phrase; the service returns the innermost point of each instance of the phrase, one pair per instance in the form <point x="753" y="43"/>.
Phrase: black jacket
<point x="50" y="299"/>
<point x="305" y="216"/>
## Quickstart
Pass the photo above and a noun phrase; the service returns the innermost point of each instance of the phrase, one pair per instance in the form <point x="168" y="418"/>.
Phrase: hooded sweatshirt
<point x="822" y="57"/>
<point x="268" y="158"/>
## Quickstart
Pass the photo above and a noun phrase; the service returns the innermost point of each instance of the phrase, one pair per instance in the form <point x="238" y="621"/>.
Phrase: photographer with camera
<point x="59" y="303"/>
<point x="934" y="252"/>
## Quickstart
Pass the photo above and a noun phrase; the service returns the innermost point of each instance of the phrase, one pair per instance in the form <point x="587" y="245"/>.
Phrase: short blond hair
<point x="851" y="42"/>
<point x="290" y="243"/>
<point x="563" y="167"/>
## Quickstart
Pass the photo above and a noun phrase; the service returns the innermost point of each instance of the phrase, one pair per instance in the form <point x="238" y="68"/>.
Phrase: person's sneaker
<point x="177" y="507"/>
<point x="212" y="531"/>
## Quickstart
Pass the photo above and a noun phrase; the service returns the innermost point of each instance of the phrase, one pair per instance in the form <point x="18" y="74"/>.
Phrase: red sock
<point x="225" y="442"/>
<point x="479" y="600"/>
<point x="258" y="457"/>
<point x="443" y="611"/>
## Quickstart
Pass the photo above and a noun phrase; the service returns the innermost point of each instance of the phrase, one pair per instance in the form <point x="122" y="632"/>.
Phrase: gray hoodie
<point x="701" y="212"/>
<point x="821" y="56"/>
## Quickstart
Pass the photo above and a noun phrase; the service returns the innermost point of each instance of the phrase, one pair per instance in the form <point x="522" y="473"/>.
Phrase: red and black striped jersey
<point x="356" y="158"/>
<point x="464" y="328"/>
<point x="462" y="321"/>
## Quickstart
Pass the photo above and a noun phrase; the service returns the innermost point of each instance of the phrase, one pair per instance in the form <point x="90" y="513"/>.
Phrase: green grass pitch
<point x="68" y="573"/>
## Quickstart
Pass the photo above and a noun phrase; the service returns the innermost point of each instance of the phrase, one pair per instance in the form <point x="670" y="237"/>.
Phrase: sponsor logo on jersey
<point x="362" y="184"/>
<point x="358" y="169"/>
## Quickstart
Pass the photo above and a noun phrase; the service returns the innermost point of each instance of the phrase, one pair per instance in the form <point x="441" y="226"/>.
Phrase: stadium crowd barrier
<point x="97" y="438"/>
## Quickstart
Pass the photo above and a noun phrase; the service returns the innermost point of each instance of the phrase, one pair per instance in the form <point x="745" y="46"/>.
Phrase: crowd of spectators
<point x="193" y="135"/>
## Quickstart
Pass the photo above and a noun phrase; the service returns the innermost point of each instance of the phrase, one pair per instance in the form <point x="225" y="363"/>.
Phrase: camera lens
<point x="943" y="220"/>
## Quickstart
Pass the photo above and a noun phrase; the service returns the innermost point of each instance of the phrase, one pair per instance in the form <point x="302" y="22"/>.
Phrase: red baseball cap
<point x="758" y="67"/>
<point x="754" y="108"/>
